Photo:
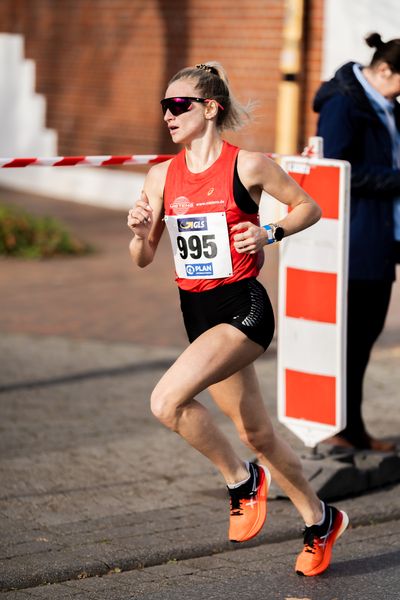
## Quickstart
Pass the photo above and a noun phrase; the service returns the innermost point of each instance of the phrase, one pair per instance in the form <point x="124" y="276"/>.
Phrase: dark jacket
<point x="352" y="131"/>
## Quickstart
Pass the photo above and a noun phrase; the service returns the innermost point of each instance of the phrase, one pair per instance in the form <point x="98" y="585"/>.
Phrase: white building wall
<point x="22" y="111"/>
<point x="23" y="133"/>
<point x="346" y="24"/>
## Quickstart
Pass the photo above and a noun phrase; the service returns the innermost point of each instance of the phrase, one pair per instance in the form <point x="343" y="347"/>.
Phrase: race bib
<point x="200" y="245"/>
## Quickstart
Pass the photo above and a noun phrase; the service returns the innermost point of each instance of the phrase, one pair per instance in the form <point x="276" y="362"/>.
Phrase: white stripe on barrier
<point x="316" y="248"/>
<point x="311" y="346"/>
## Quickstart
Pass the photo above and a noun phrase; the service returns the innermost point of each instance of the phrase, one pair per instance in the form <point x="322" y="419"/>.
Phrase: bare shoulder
<point x="255" y="167"/>
<point x="158" y="172"/>
<point x="155" y="179"/>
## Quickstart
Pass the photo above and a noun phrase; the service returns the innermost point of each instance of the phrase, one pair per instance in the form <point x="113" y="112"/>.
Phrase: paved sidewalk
<point x="90" y="483"/>
<point x="364" y="567"/>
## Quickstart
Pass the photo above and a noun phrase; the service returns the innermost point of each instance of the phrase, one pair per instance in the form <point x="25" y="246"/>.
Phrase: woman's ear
<point x="384" y="70"/>
<point x="211" y="109"/>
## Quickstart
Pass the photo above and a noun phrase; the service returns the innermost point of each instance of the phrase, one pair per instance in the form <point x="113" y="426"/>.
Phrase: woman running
<point x="208" y="198"/>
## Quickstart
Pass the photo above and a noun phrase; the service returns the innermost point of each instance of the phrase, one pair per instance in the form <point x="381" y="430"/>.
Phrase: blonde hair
<point x="212" y="82"/>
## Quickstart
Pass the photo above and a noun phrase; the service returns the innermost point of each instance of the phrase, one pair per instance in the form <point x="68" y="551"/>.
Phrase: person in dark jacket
<point x="359" y="121"/>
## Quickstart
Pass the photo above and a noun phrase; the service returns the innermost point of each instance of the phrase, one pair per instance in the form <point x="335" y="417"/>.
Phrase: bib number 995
<point x="197" y="246"/>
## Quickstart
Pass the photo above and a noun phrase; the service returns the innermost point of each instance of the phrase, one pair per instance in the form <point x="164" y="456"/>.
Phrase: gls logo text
<point x="192" y="224"/>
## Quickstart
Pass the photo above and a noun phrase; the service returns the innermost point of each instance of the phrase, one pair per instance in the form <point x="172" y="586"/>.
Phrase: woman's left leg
<point x="239" y="398"/>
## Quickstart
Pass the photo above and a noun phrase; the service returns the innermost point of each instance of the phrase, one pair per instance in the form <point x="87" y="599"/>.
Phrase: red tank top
<point x="210" y="191"/>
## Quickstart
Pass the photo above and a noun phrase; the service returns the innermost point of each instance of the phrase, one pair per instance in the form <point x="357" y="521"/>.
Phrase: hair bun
<point x="208" y="69"/>
<point x="374" y="40"/>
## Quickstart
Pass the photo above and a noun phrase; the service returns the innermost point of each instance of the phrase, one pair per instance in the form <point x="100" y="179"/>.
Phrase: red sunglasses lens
<point x="177" y="106"/>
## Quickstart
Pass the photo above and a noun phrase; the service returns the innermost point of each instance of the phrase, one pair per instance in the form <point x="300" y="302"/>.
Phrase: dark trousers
<point x="368" y="303"/>
<point x="397" y="251"/>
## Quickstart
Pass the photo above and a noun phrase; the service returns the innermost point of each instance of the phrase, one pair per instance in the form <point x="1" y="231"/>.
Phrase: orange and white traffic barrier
<point x="312" y="306"/>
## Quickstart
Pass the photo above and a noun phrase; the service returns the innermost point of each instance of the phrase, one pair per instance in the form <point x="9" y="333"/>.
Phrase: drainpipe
<point x="287" y="123"/>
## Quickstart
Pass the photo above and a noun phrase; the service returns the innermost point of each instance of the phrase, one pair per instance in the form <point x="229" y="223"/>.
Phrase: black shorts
<point x="244" y="304"/>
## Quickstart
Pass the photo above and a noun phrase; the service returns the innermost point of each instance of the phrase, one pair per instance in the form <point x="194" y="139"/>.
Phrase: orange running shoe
<point x="318" y="542"/>
<point x="248" y="505"/>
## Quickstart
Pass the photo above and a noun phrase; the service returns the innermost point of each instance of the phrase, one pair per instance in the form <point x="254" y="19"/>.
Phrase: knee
<point x="164" y="408"/>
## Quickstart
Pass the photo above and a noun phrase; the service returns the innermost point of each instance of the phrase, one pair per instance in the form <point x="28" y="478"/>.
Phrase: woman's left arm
<point x="257" y="173"/>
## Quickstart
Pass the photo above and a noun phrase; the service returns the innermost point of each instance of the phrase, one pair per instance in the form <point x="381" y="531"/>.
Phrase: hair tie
<point x="208" y="68"/>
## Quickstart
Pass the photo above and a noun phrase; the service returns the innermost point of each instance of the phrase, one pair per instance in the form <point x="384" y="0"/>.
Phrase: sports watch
<point x="274" y="233"/>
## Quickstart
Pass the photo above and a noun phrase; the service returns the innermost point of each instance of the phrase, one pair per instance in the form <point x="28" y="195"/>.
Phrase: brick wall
<point x="103" y="64"/>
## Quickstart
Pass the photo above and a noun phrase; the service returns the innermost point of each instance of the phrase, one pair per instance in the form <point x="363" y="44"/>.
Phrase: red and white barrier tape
<point x="313" y="150"/>
<point x="310" y="151"/>
<point x="90" y="161"/>
<point x="83" y="161"/>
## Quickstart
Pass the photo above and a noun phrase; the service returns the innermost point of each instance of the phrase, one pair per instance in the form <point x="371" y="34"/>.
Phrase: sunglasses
<point x="179" y="105"/>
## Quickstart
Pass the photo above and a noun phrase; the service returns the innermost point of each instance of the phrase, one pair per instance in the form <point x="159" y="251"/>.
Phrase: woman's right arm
<point x="145" y="218"/>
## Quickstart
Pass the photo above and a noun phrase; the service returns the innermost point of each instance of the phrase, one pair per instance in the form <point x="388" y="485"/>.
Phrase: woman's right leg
<point x="213" y="357"/>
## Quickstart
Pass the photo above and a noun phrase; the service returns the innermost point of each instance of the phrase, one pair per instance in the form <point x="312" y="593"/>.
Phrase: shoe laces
<point x="240" y="494"/>
<point x="236" y="503"/>
<point x="316" y="534"/>
<point x="309" y="540"/>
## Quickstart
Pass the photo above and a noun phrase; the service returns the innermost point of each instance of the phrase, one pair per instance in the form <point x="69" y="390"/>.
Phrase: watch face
<point x="279" y="233"/>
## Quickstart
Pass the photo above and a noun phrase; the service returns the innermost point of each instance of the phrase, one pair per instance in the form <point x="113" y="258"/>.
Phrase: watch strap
<point x="270" y="233"/>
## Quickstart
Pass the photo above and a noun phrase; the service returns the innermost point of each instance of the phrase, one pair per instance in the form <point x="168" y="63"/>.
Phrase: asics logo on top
<point x="252" y="503"/>
<point x="192" y="224"/>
